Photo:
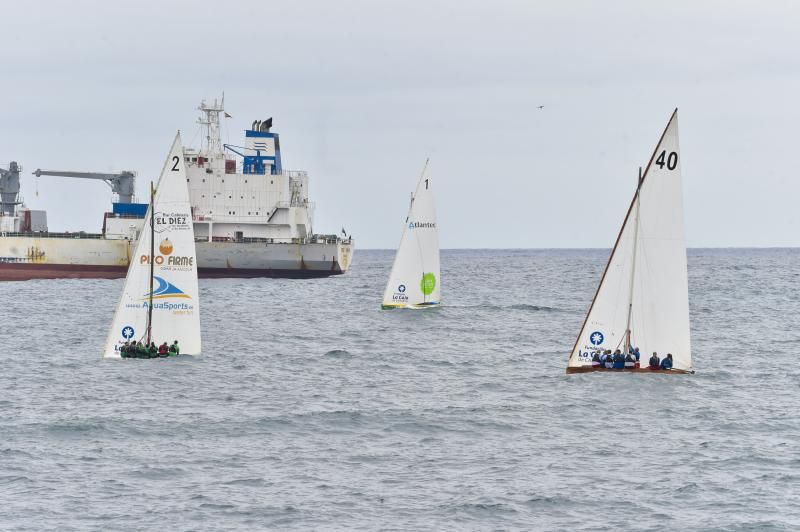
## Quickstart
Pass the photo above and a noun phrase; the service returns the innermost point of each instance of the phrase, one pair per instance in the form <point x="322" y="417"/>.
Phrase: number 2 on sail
<point x="671" y="162"/>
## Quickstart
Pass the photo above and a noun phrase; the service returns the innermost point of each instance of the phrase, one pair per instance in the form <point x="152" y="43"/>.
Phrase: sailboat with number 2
<point x="160" y="301"/>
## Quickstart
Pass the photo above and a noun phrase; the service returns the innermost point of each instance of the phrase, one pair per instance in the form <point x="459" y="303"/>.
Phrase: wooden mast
<point x="633" y="262"/>
<point x="152" y="260"/>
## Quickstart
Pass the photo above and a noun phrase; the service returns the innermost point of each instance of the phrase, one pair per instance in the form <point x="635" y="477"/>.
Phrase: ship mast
<point x="211" y="123"/>
<point x="633" y="265"/>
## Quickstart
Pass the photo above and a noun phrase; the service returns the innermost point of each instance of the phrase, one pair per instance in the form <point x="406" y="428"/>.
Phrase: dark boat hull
<point x="29" y="271"/>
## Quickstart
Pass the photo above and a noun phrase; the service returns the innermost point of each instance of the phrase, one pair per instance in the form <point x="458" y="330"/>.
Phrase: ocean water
<point x="312" y="409"/>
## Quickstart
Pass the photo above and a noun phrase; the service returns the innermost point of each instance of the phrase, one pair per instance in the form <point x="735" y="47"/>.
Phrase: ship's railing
<point x="329" y="239"/>
<point x="294" y="203"/>
<point x="252" y="218"/>
<point x="125" y="216"/>
<point x="238" y="167"/>
<point x="316" y="239"/>
<point x="47" y="234"/>
<point x="292" y="173"/>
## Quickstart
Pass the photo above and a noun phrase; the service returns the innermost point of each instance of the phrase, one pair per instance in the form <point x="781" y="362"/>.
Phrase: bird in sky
<point x="540" y="107"/>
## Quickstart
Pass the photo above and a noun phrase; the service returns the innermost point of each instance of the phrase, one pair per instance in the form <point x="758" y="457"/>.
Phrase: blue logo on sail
<point x="596" y="338"/>
<point x="166" y="289"/>
<point x="127" y="332"/>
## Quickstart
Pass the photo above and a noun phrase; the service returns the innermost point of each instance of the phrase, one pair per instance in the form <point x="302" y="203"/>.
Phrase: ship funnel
<point x="266" y="125"/>
<point x="253" y="127"/>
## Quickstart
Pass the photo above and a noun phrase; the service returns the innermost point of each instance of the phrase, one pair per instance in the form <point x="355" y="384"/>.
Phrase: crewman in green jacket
<point x="141" y="350"/>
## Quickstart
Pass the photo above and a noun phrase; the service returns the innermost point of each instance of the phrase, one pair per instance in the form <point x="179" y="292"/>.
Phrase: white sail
<point x="646" y="276"/>
<point x="415" y="281"/>
<point x="176" y="306"/>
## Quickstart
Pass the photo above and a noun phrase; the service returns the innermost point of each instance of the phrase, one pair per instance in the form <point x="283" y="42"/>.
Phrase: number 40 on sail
<point x="638" y="320"/>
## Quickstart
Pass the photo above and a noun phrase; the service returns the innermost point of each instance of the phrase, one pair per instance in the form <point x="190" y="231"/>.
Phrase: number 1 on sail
<point x="414" y="281"/>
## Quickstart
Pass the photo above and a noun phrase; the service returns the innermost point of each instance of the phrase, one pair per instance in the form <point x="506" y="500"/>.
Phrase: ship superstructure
<point x="252" y="218"/>
<point x="243" y="192"/>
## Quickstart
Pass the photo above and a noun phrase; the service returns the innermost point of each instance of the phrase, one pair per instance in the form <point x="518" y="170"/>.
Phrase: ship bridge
<point x="241" y="192"/>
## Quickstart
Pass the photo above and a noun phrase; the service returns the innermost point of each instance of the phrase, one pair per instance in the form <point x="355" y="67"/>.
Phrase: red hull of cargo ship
<point x="27" y="272"/>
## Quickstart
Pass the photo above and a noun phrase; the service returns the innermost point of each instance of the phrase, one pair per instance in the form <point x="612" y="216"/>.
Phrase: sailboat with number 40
<point x="642" y="303"/>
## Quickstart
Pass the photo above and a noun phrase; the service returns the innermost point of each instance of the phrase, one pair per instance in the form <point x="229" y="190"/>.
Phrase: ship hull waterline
<point x="26" y="258"/>
<point x="28" y="272"/>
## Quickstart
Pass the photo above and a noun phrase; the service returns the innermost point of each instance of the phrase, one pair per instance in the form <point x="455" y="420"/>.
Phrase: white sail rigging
<point x="644" y="289"/>
<point x="172" y="291"/>
<point x="415" y="281"/>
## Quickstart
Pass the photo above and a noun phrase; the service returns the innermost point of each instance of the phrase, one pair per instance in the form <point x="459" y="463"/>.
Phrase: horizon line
<point x="585" y="248"/>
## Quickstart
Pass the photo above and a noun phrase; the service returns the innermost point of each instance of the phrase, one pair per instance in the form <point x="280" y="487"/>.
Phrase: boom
<point x="121" y="184"/>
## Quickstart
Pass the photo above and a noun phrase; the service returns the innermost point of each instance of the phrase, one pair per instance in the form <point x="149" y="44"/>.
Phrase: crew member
<point x="667" y="362"/>
<point x="654" y="361"/>
<point x="619" y="360"/>
<point x="630" y="362"/>
<point x="609" y="363"/>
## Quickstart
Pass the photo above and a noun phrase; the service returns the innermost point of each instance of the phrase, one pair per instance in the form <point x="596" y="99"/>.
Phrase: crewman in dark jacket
<point x="630" y="362"/>
<point x="619" y="360"/>
<point x="654" y="361"/>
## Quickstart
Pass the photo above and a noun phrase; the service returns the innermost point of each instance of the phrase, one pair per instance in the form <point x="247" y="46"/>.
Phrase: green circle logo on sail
<point x="428" y="283"/>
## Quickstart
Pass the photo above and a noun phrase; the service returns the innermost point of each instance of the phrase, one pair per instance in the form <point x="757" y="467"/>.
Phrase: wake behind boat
<point x="414" y="281"/>
<point x="160" y="301"/>
<point x="642" y="300"/>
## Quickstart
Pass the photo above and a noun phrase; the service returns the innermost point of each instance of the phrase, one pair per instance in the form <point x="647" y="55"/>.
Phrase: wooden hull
<point x="590" y="369"/>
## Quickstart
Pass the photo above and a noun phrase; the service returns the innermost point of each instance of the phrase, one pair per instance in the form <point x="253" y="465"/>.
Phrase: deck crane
<point x="121" y="184"/>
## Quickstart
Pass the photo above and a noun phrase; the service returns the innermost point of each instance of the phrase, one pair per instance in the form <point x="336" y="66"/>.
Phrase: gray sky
<point x="363" y="92"/>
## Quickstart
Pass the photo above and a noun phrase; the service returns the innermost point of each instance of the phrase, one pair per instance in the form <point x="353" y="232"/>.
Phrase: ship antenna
<point x="211" y="123"/>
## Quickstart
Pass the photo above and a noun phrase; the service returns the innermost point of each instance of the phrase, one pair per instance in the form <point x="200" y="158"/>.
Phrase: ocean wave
<point x="338" y="353"/>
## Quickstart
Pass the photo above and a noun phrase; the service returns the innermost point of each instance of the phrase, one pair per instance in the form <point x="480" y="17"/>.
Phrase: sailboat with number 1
<point x="642" y="303"/>
<point x="414" y="281"/>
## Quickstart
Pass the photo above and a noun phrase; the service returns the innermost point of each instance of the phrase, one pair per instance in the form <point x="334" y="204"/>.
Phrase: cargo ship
<point x="252" y="218"/>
